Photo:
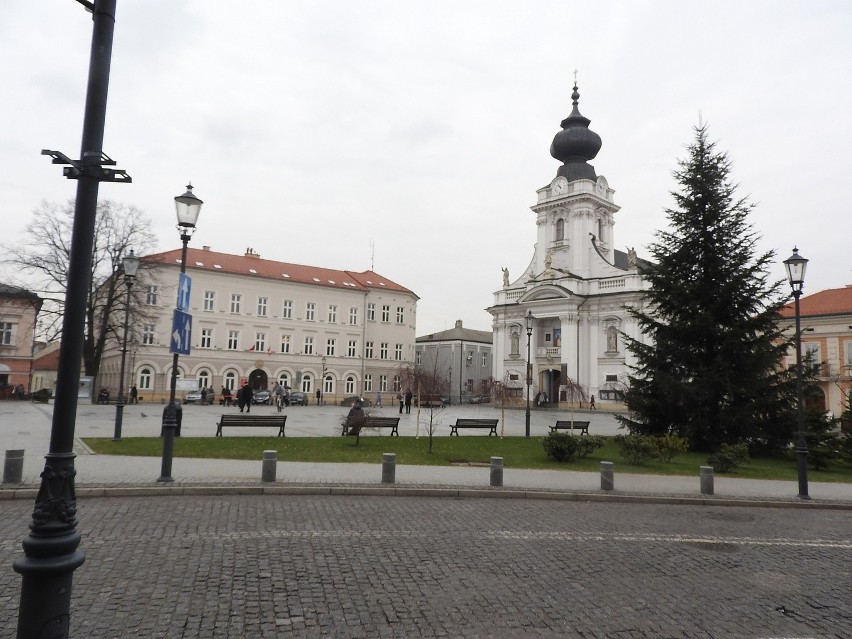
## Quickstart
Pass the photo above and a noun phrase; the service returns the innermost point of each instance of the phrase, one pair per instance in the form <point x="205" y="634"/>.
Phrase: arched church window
<point x="560" y="229"/>
<point x="600" y="230"/>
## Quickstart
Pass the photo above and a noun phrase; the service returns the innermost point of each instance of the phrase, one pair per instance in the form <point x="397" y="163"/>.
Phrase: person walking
<point x="379" y="399"/>
<point x="408" y="396"/>
<point x="399" y="399"/>
<point x="592" y="403"/>
<point x="204" y="396"/>
<point x="134" y="395"/>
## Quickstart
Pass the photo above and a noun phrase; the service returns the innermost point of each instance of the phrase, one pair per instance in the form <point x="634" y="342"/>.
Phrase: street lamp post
<point x="529" y="320"/>
<point x="131" y="265"/>
<point x="795" y="265"/>
<point x="322" y="383"/>
<point x="187" y="207"/>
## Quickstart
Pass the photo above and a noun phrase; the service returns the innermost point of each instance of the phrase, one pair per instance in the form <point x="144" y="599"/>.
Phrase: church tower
<point x="575" y="288"/>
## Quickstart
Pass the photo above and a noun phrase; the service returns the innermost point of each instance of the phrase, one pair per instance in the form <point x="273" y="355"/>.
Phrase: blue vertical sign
<point x="181" y="336"/>
<point x="184" y="285"/>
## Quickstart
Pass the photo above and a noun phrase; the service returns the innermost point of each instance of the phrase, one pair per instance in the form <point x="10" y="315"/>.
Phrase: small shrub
<point x="668" y="446"/>
<point x="589" y="444"/>
<point x="729" y="457"/>
<point x="561" y="446"/>
<point x="636" y="449"/>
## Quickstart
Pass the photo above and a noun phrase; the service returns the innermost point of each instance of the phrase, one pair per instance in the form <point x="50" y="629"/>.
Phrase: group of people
<point x="404" y="401"/>
<point x="281" y="393"/>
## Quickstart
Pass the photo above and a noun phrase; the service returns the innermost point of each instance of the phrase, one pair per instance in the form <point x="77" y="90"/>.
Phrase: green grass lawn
<point x="517" y="452"/>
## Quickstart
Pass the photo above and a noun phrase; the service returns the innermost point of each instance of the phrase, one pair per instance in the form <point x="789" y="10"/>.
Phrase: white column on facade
<point x="592" y="379"/>
<point x="568" y="321"/>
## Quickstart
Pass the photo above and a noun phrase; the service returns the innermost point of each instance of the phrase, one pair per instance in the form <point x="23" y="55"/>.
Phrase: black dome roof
<point x="575" y="145"/>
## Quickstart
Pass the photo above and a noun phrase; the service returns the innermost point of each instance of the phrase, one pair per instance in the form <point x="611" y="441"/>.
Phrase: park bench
<point x="491" y="424"/>
<point x="247" y="420"/>
<point x="372" y="422"/>
<point x="583" y="427"/>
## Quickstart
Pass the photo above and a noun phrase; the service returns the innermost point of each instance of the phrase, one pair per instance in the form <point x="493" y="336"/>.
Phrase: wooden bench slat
<point x="582" y="426"/>
<point x="461" y="422"/>
<point x="246" y="421"/>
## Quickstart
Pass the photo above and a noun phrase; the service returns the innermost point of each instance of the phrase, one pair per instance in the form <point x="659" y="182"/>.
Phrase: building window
<point x="329" y="346"/>
<point x="397" y="352"/>
<point x="310" y="311"/>
<point x="368" y="350"/>
<point x="352" y="348"/>
<point x="811" y="352"/>
<point x="385" y="313"/>
<point x="309" y="346"/>
<point x="400" y="315"/>
<point x="260" y="342"/>
<point x="145" y="377"/>
<point x="418" y="358"/>
<point x="368" y="383"/>
<point x="148" y="334"/>
<point x="6" y="333"/>
<point x="287" y="310"/>
<point x="284" y="380"/>
<point x="233" y="340"/>
<point x="371" y="311"/>
<point x="262" y="304"/>
<point x="397" y="384"/>
<point x="206" y="338"/>
<point x="350" y="385"/>
<point x="307" y="382"/>
<point x="383" y="383"/>
<point x="328" y="385"/>
<point x="285" y="343"/>
<point x="209" y="300"/>
<point x="560" y="229"/>
<point x="332" y="313"/>
<point x="236" y="300"/>
<point x="353" y="316"/>
<point x="383" y="350"/>
<point x="203" y="379"/>
<point x="153" y="292"/>
<point x="230" y="380"/>
<point x="484" y="362"/>
<point x="848" y="346"/>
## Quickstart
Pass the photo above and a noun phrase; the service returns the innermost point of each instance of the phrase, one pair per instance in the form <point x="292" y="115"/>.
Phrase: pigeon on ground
<point x="144" y="415"/>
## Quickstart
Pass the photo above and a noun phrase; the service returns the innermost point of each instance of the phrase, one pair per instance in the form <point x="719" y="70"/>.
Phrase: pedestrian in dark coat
<point x="408" y="396"/>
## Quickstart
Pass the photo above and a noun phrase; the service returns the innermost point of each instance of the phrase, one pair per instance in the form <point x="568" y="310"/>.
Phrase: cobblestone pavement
<point x="329" y="566"/>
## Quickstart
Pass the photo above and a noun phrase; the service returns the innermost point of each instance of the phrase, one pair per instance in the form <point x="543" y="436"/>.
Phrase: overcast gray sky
<point x="315" y="130"/>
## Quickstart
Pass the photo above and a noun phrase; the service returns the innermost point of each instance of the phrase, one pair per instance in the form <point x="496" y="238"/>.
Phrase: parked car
<point x="192" y="397"/>
<point x="261" y="397"/>
<point x="298" y="399"/>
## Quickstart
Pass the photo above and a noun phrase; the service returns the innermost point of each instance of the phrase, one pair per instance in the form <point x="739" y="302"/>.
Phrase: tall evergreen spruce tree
<point x="710" y="373"/>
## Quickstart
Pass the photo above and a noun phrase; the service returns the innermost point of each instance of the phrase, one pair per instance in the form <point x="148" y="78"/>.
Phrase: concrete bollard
<point x="13" y="468"/>
<point x="270" y="463"/>
<point x="388" y="468"/>
<point x="496" y="471"/>
<point x="706" y="473"/>
<point x="607" y="476"/>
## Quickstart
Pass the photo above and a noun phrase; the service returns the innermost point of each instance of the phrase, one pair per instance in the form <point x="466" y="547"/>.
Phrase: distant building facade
<point x="826" y="321"/>
<point x="461" y="356"/>
<point x="577" y="285"/>
<point x="258" y="321"/>
<point x="19" y="309"/>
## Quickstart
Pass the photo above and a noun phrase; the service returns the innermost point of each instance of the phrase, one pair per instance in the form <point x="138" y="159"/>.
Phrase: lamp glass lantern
<point x="188" y="208"/>
<point x="131" y="264"/>
<point x="796" y="265"/>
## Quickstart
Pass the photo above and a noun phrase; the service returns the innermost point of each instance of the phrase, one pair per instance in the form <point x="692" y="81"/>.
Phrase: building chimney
<point x="458" y="323"/>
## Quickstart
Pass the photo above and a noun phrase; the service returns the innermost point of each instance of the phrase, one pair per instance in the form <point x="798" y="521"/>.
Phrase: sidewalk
<point x="24" y="425"/>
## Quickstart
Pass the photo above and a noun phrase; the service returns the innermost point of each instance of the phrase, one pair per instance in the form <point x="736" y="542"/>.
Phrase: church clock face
<point x="560" y="186"/>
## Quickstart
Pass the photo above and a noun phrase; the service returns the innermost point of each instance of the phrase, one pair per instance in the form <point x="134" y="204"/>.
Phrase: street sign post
<point x="181" y="336"/>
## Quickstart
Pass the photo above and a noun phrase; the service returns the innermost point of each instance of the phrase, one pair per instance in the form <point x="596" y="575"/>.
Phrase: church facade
<point x="576" y="289"/>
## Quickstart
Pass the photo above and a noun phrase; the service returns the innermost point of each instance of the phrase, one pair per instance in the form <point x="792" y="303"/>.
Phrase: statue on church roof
<point x="631" y="258"/>
<point x="505" y="277"/>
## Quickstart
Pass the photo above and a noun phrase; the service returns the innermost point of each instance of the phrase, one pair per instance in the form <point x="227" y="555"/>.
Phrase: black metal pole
<point x="802" y="448"/>
<point x="529" y="382"/>
<point x="170" y="428"/>
<point x="50" y="549"/>
<point x="119" y="404"/>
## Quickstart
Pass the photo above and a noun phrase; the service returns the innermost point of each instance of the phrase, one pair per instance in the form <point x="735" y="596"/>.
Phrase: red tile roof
<point x="832" y="301"/>
<point x="250" y="265"/>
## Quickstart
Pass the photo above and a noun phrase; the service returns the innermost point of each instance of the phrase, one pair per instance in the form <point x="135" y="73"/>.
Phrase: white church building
<point x="576" y="287"/>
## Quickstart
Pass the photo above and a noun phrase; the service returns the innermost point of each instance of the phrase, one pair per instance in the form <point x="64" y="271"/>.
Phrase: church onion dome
<point x="575" y="145"/>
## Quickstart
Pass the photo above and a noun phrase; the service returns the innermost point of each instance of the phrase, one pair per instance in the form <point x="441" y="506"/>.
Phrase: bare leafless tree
<point x="44" y="262"/>
<point x="428" y="387"/>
